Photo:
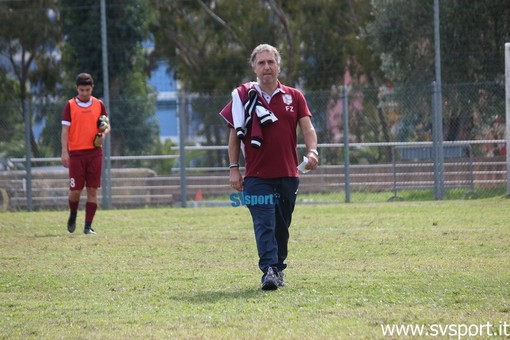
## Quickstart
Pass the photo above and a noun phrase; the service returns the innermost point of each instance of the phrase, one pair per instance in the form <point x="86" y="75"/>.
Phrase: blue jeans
<point x="271" y="204"/>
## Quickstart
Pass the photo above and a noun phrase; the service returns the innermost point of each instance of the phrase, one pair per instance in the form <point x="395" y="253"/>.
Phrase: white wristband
<point x="315" y="152"/>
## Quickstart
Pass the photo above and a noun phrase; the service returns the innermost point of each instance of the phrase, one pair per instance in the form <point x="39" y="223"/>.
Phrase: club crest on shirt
<point x="287" y="99"/>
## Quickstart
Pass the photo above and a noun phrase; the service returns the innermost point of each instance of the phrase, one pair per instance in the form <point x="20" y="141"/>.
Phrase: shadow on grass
<point x="200" y="297"/>
<point x="48" y="235"/>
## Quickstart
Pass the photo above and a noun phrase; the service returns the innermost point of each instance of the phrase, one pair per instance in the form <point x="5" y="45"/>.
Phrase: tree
<point x="11" y="124"/>
<point x="132" y="103"/>
<point x="332" y="44"/>
<point x="207" y="43"/>
<point x="472" y="38"/>
<point x="334" y="54"/>
<point x="28" y="50"/>
<point x="473" y="35"/>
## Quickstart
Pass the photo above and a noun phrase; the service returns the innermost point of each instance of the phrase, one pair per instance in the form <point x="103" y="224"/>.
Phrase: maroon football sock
<point x="90" y="211"/>
<point x="73" y="206"/>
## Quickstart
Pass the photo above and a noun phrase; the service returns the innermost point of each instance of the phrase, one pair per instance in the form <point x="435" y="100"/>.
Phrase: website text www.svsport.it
<point x="459" y="331"/>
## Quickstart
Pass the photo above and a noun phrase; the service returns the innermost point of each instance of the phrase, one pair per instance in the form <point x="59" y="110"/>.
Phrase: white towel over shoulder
<point x="242" y="111"/>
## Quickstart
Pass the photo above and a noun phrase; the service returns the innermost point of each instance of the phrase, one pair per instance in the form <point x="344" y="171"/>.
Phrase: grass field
<point x="192" y="273"/>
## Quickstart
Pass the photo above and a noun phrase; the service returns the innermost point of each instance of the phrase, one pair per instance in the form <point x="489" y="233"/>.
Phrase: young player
<point x="85" y="126"/>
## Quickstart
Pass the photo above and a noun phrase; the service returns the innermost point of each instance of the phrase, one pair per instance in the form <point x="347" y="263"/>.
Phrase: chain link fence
<point x="169" y="148"/>
<point x="389" y="150"/>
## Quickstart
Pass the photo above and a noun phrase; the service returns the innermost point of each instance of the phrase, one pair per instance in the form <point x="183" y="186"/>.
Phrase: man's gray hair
<point x="265" y="48"/>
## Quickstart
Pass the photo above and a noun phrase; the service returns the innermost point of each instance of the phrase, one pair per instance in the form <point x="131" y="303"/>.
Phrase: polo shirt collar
<point x="277" y="90"/>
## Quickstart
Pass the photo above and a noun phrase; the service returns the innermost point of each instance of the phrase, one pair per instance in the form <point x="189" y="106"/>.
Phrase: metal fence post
<point x="437" y="143"/>
<point x="28" y="155"/>
<point x="437" y="114"/>
<point x="347" y="164"/>
<point x="107" y="173"/>
<point x="181" y="107"/>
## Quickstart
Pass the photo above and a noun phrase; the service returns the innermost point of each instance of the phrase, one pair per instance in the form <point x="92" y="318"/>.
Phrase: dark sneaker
<point x="89" y="231"/>
<point x="269" y="280"/>
<point x="71" y="224"/>
<point x="280" y="279"/>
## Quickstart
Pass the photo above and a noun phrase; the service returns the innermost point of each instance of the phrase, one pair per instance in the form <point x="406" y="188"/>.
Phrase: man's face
<point x="266" y="68"/>
<point x="84" y="92"/>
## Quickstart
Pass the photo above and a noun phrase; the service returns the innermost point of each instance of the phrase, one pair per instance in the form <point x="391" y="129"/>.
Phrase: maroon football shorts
<point x="85" y="167"/>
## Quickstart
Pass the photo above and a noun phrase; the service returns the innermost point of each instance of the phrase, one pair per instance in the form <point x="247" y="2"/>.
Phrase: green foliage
<point x="132" y="105"/>
<point x="208" y="43"/>
<point x="11" y="123"/>
<point x="463" y="104"/>
<point x="28" y="47"/>
<point x="213" y="128"/>
<point x="49" y="140"/>
<point x="473" y="34"/>
<point x="331" y="42"/>
<point x="324" y="43"/>
<point x="192" y="273"/>
<point x="163" y="166"/>
<point x="413" y="107"/>
<point x="209" y="49"/>
<point x="29" y="36"/>
<point x="137" y="130"/>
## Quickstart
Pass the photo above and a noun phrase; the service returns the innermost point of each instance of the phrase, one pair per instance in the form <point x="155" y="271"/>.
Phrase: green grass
<point x="192" y="273"/>
<point x="411" y="195"/>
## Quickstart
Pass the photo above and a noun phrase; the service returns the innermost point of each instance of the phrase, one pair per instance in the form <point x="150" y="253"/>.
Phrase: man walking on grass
<point x="263" y="117"/>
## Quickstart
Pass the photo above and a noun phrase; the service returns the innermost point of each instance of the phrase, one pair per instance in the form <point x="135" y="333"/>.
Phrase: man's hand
<point x="313" y="160"/>
<point x="65" y="159"/>
<point x="236" y="179"/>
<point x="98" y="140"/>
